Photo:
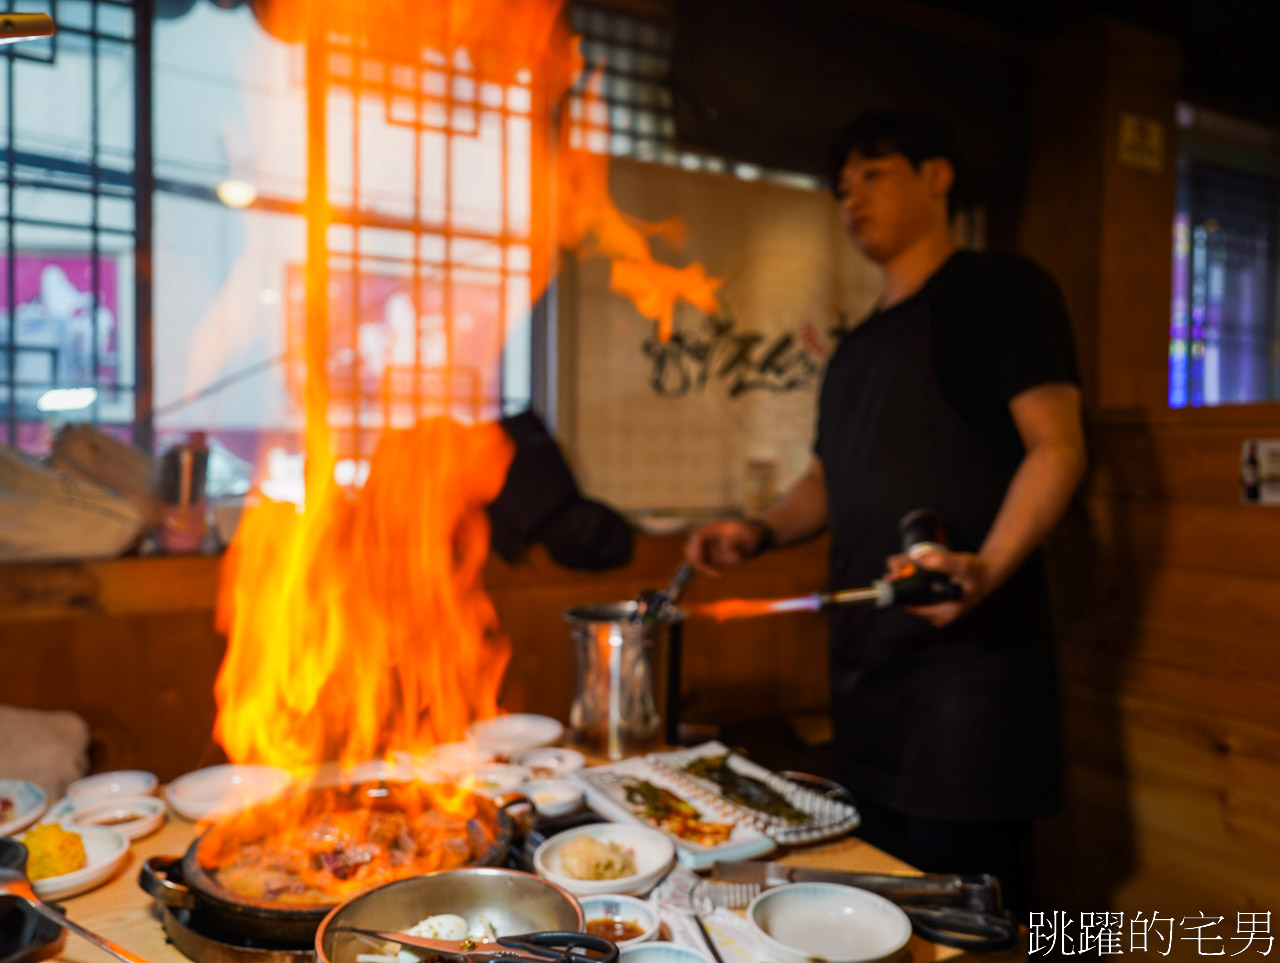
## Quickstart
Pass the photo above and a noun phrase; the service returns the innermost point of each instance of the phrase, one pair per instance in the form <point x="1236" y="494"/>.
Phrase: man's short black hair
<point x="879" y="133"/>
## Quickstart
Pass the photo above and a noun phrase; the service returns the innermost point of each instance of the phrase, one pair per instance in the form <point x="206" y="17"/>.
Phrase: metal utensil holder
<point x="628" y="679"/>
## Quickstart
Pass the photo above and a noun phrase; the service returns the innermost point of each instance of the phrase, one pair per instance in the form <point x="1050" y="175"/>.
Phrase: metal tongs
<point x="659" y="605"/>
<point x="14" y="882"/>
<point x="550" y="947"/>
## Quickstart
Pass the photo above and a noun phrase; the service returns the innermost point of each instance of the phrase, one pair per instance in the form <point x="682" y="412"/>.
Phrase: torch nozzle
<point x="875" y="593"/>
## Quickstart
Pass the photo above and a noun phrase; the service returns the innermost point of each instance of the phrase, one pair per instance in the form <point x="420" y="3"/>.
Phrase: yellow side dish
<point x="53" y="851"/>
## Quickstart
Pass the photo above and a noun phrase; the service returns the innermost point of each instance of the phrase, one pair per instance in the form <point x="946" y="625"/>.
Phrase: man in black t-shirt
<point x="959" y="393"/>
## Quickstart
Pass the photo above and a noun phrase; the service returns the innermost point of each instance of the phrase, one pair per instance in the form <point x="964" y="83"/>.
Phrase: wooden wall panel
<point x="1170" y="673"/>
<point x="131" y="646"/>
<point x="1199" y="537"/>
<point x="1168" y="588"/>
<point x="1158" y="738"/>
<point x="143" y="683"/>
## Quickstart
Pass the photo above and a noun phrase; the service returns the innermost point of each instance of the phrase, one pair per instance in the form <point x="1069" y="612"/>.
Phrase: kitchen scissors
<point x="553" y="946"/>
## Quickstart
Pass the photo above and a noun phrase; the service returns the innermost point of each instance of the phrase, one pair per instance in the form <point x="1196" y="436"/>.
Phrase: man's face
<point x="886" y="204"/>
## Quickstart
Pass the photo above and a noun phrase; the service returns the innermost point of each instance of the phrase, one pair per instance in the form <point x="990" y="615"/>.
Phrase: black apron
<point x="952" y="723"/>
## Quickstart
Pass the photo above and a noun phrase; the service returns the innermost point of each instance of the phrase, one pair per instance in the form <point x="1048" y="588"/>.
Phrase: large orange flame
<point x="591" y="223"/>
<point x="357" y="626"/>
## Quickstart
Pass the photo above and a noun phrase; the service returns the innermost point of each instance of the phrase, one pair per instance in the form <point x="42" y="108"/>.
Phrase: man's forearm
<point x="801" y="512"/>
<point x="1038" y="495"/>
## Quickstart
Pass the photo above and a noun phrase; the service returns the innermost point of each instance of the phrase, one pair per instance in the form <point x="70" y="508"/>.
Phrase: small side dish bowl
<point x="111" y="785"/>
<point x="661" y="953"/>
<point x="551" y="762"/>
<point x="654" y="855"/>
<point x="515" y="732"/>
<point x="453" y="760"/>
<point x="553" y="798"/>
<point x="497" y="778"/>
<point x="803" y="922"/>
<point x="613" y="909"/>
<point x="131" y="816"/>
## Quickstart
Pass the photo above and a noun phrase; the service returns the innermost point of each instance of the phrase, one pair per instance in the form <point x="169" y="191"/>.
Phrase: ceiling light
<point x="67" y="399"/>
<point x="237" y="194"/>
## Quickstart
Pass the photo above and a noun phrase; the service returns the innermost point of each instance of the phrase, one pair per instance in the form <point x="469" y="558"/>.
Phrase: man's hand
<point x="966" y="569"/>
<point x="721" y="544"/>
<point x="1048" y="421"/>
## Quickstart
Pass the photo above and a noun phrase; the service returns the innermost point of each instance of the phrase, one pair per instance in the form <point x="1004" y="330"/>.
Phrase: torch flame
<point x="727" y="609"/>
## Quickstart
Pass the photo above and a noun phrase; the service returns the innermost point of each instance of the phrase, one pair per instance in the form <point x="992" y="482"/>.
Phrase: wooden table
<point x="122" y="912"/>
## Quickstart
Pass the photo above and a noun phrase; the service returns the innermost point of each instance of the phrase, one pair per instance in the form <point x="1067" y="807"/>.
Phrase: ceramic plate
<point x="453" y="760"/>
<point x="103" y="786"/>
<point x="607" y="793"/>
<point x="27" y="804"/>
<point x="550" y="763"/>
<point x="223" y="789"/>
<point x="497" y="778"/>
<point x="553" y="798"/>
<point x="131" y="816"/>
<point x="826" y="818"/>
<point x="510" y="734"/>
<point x="106" y="850"/>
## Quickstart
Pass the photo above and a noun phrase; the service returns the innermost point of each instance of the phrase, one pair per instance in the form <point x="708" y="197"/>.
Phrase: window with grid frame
<point x="623" y="105"/>
<point x="436" y="233"/>
<point x="75" y="207"/>
<point x="416" y="153"/>
<point x="1224" y="329"/>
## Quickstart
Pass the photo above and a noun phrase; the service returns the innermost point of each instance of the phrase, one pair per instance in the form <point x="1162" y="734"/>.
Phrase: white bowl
<point x="550" y="763"/>
<point x="29" y="804"/>
<point x="111" y="785"/>
<point x="661" y="953"/>
<point x="614" y="906"/>
<point x="654" y="853"/>
<point x="105" y="850"/>
<point x="497" y="778"/>
<point x="452" y="760"/>
<point x="510" y="734"/>
<point x="372" y="770"/>
<point x="825" y="921"/>
<point x="131" y="816"/>
<point x="553" y="797"/>
<point x="223" y="789"/>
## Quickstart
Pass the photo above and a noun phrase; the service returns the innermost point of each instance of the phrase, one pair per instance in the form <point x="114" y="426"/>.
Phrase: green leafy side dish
<point x="744" y="790"/>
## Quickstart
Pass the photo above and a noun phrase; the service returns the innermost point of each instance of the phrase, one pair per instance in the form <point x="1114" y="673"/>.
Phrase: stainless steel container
<point x="627" y="678"/>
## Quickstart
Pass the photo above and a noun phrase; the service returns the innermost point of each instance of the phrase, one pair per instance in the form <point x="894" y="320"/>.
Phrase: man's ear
<point x="939" y="175"/>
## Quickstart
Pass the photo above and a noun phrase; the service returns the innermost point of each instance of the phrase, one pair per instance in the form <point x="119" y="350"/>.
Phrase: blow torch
<point x="922" y="531"/>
